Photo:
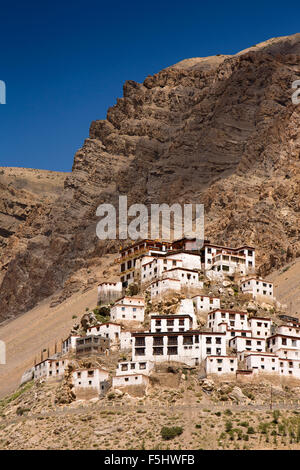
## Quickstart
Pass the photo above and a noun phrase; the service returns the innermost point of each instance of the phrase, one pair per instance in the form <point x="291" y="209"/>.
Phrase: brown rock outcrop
<point x="222" y="131"/>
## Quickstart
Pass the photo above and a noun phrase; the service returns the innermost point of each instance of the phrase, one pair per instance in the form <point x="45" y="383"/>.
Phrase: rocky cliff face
<point x="220" y="130"/>
<point x="22" y="192"/>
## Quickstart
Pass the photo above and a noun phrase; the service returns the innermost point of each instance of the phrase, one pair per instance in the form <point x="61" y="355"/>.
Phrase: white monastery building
<point x="190" y="347"/>
<point x="221" y="364"/>
<point x="205" y="303"/>
<point x="260" y="326"/>
<point x="262" y="362"/>
<point x="128" y="308"/>
<point x="235" y="320"/>
<point x="50" y="368"/>
<point x="109" y="330"/>
<point x="257" y="287"/>
<point x="170" y="323"/>
<point x="225" y="260"/>
<point x="69" y="344"/>
<point x="93" y="378"/>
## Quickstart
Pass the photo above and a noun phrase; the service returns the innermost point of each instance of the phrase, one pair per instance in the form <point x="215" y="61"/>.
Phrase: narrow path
<point x="64" y="411"/>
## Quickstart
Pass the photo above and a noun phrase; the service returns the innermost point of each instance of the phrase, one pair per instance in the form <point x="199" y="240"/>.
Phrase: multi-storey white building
<point x="125" y="339"/>
<point x="289" y="329"/>
<point x="260" y="326"/>
<point x="69" y="344"/>
<point x="114" y="332"/>
<point x="230" y="333"/>
<point x="109" y="330"/>
<point x="108" y="292"/>
<point x="279" y="342"/>
<point x="169" y="323"/>
<point x="242" y="343"/>
<point x="288" y="353"/>
<point x="220" y="364"/>
<point x="134" y="367"/>
<point x="226" y="260"/>
<point x="95" y="379"/>
<point x="174" y="280"/>
<point x="131" y="258"/>
<point x="235" y="320"/>
<point x="257" y="287"/>
<point x="50" y="368"/>
<point x="206" y="303"/>
<point x="290" y="368"/>
<point x="187" y="277"/>
<point x="153" y="269"/>
<point x="190" y="347"/>
<point x="262" y="362"/>
<point x="128" y="308"/>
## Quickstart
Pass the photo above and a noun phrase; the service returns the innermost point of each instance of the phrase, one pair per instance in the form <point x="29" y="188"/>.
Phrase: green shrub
<point x="244" y="424"/>
<point x="250" y="430"/>
<point x="170" y="433"/>
<point x="276" y="414"/>
<point x="228" y="426"/>
<point x="133" y="289"/>
<point x="20" y="411"/>
<point x="263" y="427"/>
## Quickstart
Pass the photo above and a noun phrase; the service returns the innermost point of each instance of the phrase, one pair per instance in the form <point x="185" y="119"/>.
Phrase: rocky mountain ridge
<point x="223" y="132"/>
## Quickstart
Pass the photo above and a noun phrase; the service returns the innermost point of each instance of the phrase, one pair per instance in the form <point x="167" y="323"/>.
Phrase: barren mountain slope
<point x="22" y="190"/>
<point x="287" y="286"/>
<point x="226" y="135"/>
<point x="46" y="324"/>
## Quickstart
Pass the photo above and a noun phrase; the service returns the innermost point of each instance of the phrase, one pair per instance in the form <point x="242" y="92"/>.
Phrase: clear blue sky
<point x="64" y="63"/>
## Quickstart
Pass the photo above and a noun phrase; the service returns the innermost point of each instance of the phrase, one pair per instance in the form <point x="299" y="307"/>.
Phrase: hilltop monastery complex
<point x="231" y="341"/>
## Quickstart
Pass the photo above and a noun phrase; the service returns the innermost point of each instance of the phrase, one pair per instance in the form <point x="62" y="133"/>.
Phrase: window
<point x="172" y="340"/>
<point x="158" y="341"/>
<point x="140" y="351"/>
<point x="172" y="351"/>
<point x="140" y="341"/>
<point x="158" y="351"/>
